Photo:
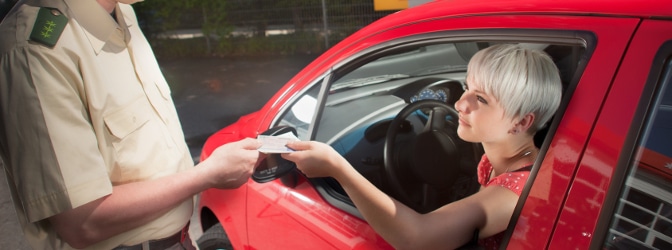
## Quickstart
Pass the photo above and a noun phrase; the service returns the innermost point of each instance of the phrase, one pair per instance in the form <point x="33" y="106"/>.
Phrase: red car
<point x="604" y="175"/>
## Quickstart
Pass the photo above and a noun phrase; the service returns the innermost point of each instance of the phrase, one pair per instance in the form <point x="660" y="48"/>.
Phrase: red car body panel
<point x="567" y="194"/>
<point x="545" y="201"/>
<point x="600" y="158"/>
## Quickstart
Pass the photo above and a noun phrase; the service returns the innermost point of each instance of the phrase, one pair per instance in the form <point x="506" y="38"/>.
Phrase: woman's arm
<point x="450" y="226"/>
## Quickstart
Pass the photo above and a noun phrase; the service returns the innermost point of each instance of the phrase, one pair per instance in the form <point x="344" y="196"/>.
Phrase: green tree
<point x="302" y="11"/>
<point x="167" y="16"/>
<point x="215" y="26"/>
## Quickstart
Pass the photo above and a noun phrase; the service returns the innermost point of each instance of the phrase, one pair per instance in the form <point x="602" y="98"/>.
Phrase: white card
<point x="276" y="144"/>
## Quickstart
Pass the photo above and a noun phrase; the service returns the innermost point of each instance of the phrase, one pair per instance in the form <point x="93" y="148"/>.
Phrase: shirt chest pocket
<point x="127" y="120"/>
<point x="140" y="142"/>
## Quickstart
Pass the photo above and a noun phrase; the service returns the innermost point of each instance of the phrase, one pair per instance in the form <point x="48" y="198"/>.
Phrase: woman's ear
<point x="524" y="123"/>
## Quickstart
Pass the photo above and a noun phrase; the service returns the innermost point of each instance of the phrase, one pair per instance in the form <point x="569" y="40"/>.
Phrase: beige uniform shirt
<point x="78" y="118"/>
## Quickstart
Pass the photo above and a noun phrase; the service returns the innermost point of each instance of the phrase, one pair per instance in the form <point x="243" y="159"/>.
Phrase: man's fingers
<point x="250" y="144"/>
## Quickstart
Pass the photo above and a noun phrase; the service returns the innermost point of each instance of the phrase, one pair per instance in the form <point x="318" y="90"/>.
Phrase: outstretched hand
<point x="230" y="165"/>
<point x="315" y="159"/>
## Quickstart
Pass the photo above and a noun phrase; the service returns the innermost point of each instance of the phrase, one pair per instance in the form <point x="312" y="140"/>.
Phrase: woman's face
<point x="481" y="116"/>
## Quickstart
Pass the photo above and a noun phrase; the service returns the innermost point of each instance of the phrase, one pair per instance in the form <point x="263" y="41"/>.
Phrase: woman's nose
<point x="461" y="104"/>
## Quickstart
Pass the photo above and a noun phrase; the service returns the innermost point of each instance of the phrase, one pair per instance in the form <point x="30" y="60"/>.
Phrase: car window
<point x="301" y="112"/>
<point x="366" y="95"/>
<point x="643" y="214"/>
<point x="369" y="92"/>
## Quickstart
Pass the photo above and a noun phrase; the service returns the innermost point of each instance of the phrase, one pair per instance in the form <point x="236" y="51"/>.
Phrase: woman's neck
<point x="507" y="158"/>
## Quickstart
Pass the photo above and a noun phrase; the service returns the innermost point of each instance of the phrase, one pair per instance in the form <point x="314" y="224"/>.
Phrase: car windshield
<point x="420" y="61"/>
<point x="359" y="82"/>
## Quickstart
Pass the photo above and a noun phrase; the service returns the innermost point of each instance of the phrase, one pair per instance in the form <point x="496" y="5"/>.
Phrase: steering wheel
<point x="430" y="161"/>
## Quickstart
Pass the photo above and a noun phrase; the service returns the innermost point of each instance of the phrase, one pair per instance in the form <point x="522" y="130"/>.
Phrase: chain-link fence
<point x="251" y="27"/>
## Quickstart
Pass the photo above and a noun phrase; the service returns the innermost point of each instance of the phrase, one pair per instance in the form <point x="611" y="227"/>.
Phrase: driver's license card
<point x="276" y="144"/>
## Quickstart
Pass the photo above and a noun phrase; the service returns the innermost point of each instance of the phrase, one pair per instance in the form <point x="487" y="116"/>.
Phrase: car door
<point x="296" y="213"/>
<point x="534" y="223"/>
<point x="626" y="166"/>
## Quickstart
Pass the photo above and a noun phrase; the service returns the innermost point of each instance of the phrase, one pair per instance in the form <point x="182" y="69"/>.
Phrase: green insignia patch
<point x="48" y="26"/>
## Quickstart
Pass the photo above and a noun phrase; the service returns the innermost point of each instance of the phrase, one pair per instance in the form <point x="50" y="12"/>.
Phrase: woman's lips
<point x="463" y="122"/>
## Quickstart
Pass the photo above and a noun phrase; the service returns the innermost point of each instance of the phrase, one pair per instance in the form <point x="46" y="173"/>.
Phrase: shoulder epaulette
<point x="48" y="26"/>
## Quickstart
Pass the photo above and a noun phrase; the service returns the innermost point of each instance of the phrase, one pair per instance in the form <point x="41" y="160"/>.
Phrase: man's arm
<point x="135" y="204"/>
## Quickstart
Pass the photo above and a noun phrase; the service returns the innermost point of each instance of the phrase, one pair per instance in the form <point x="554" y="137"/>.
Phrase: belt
<point x="160" y="243"/>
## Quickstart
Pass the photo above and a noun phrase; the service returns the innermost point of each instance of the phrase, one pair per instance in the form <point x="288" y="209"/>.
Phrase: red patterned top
<point x="514" y="181"/>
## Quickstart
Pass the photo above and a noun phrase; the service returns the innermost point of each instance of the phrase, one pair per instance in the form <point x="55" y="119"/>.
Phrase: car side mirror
<point x="274" y="166"/>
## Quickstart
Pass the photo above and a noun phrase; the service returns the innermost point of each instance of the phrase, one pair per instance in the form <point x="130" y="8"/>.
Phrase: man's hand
<point x="231" y="164"/>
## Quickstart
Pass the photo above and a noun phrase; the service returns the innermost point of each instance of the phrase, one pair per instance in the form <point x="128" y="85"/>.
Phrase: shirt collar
<point x="99" y="25"/>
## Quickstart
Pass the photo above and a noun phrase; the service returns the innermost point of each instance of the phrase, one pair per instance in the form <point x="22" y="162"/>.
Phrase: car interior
<point x="390" y="113"/>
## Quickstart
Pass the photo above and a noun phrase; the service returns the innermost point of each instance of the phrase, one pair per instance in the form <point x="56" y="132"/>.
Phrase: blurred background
<point x="251" y="27"/>
<point x="196" y="28"/>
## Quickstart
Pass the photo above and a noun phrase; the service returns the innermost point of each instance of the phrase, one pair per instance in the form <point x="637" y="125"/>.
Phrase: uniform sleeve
<point x="46" y="137"/>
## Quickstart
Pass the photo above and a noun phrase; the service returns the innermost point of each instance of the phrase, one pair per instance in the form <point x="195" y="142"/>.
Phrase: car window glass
<point x="299" y="115"/>
<point x="643" y="214"/>
<point x="368" y="92"/>
<point x="414" y="61"/>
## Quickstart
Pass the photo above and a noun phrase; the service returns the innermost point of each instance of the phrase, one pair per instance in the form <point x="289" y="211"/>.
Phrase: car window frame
<point x="558" y="37"/>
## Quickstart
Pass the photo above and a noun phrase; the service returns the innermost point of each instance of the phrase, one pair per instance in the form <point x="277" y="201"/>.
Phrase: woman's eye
<point x="481" y="99"/>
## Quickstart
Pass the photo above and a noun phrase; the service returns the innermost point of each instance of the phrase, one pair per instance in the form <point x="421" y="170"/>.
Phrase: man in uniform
<point x="92" y="145"/>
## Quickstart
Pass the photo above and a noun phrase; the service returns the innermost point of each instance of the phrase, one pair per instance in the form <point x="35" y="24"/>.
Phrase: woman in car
<point x="511" y="92"/>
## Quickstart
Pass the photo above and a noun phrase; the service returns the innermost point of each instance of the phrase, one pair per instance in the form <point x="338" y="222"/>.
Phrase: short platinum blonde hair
<point x="522" y="80"/>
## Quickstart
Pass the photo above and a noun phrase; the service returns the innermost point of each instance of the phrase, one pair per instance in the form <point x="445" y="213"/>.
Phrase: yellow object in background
<point x="379" y="5"/>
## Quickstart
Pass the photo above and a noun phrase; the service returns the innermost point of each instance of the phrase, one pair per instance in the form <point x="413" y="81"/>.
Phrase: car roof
<point x="645" y="9"/>
<point x="633" y="8"/>
<point x="443" y="9"/>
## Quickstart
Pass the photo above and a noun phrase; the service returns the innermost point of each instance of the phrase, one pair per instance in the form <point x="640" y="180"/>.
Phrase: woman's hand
<point x="315" y="159"/>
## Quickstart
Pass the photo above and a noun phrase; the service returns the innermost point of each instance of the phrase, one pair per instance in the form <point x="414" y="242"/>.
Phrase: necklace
<point x="492" y="170"/>
<point x="524" y="154"/>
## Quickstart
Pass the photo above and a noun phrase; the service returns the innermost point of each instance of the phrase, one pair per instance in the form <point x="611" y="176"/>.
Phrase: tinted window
<point x="643" y="215"/>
